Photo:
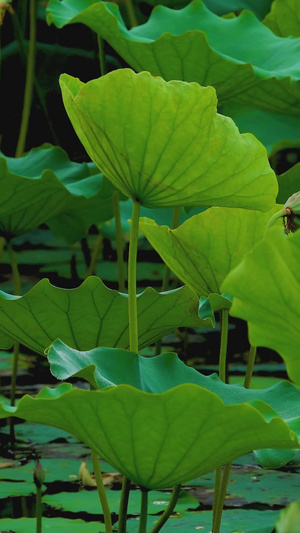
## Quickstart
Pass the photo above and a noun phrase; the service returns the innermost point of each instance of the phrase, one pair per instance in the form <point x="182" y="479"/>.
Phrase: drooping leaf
<point x="164" y="143"/>
<point x="194" y="44"/>
<point x="205" y="248"/>
<point x="44" y="186"/>
<point x="156" y="440"/>
<point x="92" y="315"/>
<point x="284" y="18"/>
<point x="265" y="287"/>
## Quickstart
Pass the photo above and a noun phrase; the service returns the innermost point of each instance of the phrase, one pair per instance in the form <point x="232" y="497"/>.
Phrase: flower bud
<point x="39" y="475"/>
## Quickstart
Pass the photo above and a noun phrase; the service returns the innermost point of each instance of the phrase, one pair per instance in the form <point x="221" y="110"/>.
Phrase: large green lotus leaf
<point x="92" y="315"/>
<point x="269" y="128"/>
<point x="265" y="287"/>
<point x="104" y="367"/>
<point x="164" y="143"/>
<point x="44" y="186"/>
<point x="221" y="7"/>
<point x="194" y="44"/>
<point x="284" y="18"/>
<point x="205" y="248"/>
<point x="289" y="183"/>
<point x="156" y="440"/>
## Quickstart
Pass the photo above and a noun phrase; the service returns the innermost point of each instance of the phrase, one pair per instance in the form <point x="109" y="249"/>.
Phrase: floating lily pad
<point x="44" y="186"/>
<point x="132" y="135"/>
<point x="205" y="248"/>
<point x="63" y="525"/>
<point x="284" y="18"/>
<point x="92" y="315"/>
<point x="194" y="44"/>
<point x="156" y="440"/>
<point x="265" y="286"/>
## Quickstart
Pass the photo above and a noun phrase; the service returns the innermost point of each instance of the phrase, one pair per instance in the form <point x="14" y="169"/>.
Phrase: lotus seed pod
<point x="39" y="475"/>
<point x="293" y="203"/>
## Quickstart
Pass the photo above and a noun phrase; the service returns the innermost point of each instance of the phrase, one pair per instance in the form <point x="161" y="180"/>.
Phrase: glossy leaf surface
<point x="92" y="315"/>
<point x="266" y="287"/>
<point x="205" y="248"/>
<point x="156" y="440"/>
<point x="194" y="44"/>
<point x="164" y="143"/>
<point x="44" y="186"/>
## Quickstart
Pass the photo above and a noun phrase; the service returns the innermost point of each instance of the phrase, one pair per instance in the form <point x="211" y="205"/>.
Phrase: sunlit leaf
<point x="44" y="186"/>
<point x="205" y="248"/>
<point x="92" y="315"/>
<point x="194" y="44"/>
<point x="156" y="440"/>
<point x="265" y="286"/>
<point x="164" y="143"/>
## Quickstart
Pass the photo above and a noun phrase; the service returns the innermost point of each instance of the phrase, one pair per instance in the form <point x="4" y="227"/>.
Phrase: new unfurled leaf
<point x="265" y="287"/>
<point x="164" y="144"/>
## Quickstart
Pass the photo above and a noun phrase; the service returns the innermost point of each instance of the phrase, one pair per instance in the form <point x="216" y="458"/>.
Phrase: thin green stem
<point x="144" y="510"/>
<point x="39" y="509"/>
<point x="166" y="275"/>
<point x="29" y="79"/>
<point x="98" y="246"/>
<point x="123" y="506"/>
<point x="280" y="214"/>
<point x="101" y="492"/>
<point x="17" y="291"/>
<point x="131" y="13"/>
<point x="168" y="511"/>
<point x="101" y="55"/>
<point x="221" y="499"/>
<point x="2" y="247"/>
<point x="217" y="489"/>
<point x="119" y="241"/>
<point x="132" y="303"/>
<point x="250" y="365"/>
<point x="223" y="344"/>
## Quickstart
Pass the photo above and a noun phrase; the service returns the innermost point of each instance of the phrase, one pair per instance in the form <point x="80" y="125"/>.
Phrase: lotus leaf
<point x="92" y="315"/>
<point x="156" y="440"/>
<point x="284" y="18"/>
<point x="194" y="44"/>
<point x="205" y="248"/>
<point x="289" y="183"/>
<point x="265" y="287"/>
<point x="164" y="144"/>
<point x="44" y="186"/>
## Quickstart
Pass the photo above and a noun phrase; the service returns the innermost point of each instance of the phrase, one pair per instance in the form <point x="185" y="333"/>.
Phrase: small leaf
<point x="265" y="287"/>
<point x="123" y="134"/>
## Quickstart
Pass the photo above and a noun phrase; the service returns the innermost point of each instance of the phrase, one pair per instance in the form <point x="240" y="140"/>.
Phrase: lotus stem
<point x="167" y="271"/>
<point x="250" y="365"/>
<point x="221" y="499"/>
<point x="132" y="302"/>
<point x="223" y="344"/>
<point x="101" y="492"/>
<point x="123" y="505"/>
<point x="29" y="79"/>
<point x="119" y="241"/>
<point x="168" y="511"/>
<point x="101" y="55"/>
<point x="280" y="214"/>
<point x="2" y="243"/>
<point x="144" y="510"/>
<point x="39" y="507"/>
<point x="98" y="246"/>
<point x="17" y="291"/>
<point x="131" y="13"/>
